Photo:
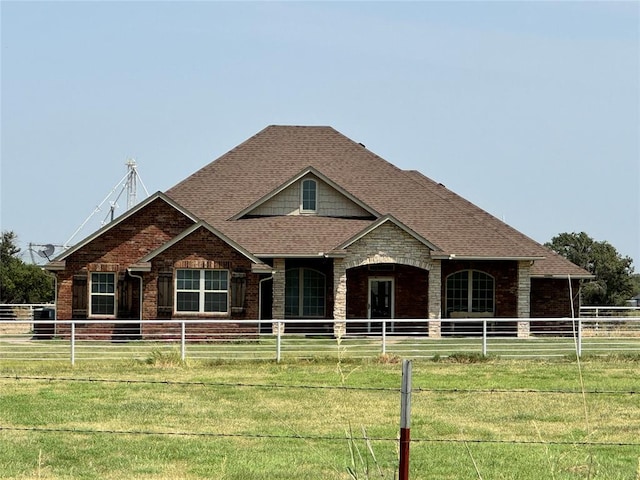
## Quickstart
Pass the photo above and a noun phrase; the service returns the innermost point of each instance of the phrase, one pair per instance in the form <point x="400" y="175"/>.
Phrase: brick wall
<point x="201" y="249"/>
<point x="505" y="275"/>
<point x="550" y="297"/>
<point x="126" y="243"/>
<point x="121" y="246"/>
<point x="411" y="291"/>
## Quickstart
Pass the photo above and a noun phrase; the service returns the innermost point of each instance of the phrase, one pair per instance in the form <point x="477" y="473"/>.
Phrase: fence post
<point x="384" y="337"/>
<point x="73" y="342"/>
<point x="484" y="337"/>
<point x="579" y="337"/>
<point x="405" y="420"/>
<point x="183" y="344"/>
<point x="278" y="341"/>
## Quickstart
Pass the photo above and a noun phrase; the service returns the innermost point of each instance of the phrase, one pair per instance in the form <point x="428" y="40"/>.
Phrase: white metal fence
<point x="180" y="340"/>
<point x="604" y="311"/>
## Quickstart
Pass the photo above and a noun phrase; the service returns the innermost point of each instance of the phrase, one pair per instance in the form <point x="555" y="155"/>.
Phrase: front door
<point x="380" y="302"/>
<point x="128" y="309"/>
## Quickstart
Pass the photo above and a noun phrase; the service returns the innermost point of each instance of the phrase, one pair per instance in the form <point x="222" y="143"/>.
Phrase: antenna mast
<point x="129" y="183"/>
<point x="132" y="176"/>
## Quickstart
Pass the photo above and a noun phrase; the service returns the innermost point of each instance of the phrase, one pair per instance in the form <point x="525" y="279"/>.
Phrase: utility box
<point x="43" y="329"/>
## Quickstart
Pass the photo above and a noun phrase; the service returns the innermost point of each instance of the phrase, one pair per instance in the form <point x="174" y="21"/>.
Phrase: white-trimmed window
<point x="470" y="291"/>
<point x="304" y="293"/>
<point x="103" y="294"/>
<point x="202" y="291"/>
<point x="309" y="196"/>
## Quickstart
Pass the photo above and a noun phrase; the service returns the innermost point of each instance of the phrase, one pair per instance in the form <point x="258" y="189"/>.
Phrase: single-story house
<point x="301" y="222"/>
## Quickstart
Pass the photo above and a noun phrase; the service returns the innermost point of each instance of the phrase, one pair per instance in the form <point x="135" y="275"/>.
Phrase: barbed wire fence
<point x="257" y="435"/>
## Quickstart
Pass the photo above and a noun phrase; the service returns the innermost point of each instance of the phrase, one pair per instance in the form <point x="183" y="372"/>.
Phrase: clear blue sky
<point x="528" y="109"/>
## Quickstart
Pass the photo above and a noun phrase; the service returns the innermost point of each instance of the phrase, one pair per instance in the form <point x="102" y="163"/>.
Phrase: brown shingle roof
<point x="262" y="163"/>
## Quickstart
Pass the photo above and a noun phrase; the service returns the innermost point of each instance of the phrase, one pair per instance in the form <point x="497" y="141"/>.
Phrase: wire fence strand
<point x="317" y="387"/>
<point x="310" y="437"/>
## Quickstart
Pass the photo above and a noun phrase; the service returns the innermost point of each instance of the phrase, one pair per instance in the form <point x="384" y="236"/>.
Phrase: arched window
<point x="470" y="291"/>
<point x="304" y="293"/>
<point x="309" y="196"/>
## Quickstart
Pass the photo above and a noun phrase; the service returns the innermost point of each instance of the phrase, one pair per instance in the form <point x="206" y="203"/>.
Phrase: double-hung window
<point x="103" y="293"/>
<point x="202" y="291"/>
<point x="304" y="293"/>
<point x="309" y="197"/>
<point x="470" y="291"/>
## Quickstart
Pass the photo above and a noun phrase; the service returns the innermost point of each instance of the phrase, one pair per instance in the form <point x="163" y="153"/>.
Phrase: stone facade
<point x="524" y="297"/>
<point x="388" y="244"/>
<point x="339" y="297"/>
<point x="412" y="272"/>
<point x="277" y="310"/>
<point x="435" y="299"/>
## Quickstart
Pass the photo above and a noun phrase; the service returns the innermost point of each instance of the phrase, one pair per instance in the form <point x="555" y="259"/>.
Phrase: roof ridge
<point x="516" y="235"/>
<point x="476" y="214"/>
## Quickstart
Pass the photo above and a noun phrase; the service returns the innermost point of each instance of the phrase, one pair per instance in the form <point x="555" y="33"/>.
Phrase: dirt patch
<point x="10" y="327"/>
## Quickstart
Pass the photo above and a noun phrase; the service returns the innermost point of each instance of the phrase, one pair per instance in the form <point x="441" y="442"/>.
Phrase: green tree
<point x="21" y="282"/>
<point x="613" y="283"/>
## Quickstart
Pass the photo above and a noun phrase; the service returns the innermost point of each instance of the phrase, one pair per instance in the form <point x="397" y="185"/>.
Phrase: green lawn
<point x="471" y="418"/>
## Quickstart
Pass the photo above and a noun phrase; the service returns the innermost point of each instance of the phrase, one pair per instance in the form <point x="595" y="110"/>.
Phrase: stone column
<point x="278" y="294"/>
<point x="524" y="298"/>
<point x="339" y="297"/>
<point x="435" y="299"/>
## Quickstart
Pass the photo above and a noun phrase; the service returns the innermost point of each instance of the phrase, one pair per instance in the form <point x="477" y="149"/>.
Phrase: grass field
<point x="324" y="419"/>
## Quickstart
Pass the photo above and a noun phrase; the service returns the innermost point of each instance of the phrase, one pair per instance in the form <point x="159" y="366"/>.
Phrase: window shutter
<point x="79" y="297"/>
<point x="165" y="293"/>
<point x="238" y="291"/>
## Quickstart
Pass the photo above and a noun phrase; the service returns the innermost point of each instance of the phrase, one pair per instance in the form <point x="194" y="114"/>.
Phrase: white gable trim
<point x="382" y="221"/>
<point x="296" y="178"/>
<point x="201" y="224"/>
<point x="123" y="217"/>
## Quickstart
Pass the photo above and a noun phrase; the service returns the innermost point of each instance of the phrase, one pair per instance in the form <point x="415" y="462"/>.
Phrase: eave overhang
<point x="565" y="277"/>
<point x="453" y="256"/>
<point x="55" y="266"/>
<point x="140" y="267"/>
<point x="262" y="268"/>
<point x="292" y="255"/>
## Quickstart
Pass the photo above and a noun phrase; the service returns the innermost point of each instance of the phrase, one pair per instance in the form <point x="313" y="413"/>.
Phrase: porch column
<point x="524" y="298"/>
<point x="277" y="308"/>
<point x="339" y="297"/>
<point x="435" y="299"/>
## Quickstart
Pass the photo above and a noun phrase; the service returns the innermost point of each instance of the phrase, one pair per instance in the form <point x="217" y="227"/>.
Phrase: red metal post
<point x="405" y="439"/>
<point x="405" y="420"/>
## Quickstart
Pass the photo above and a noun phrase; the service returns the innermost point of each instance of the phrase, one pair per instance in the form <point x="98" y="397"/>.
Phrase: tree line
<point x="614" y="281"/>
<point x="21" y="282"/>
